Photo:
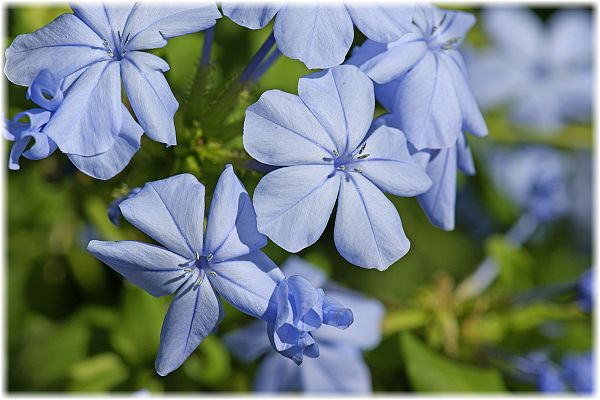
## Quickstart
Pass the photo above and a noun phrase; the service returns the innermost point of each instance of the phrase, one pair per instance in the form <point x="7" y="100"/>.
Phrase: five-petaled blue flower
<point x="422" y="80"/>
<point x="30" y="125"/>
<point x="227" y="260"/>
<point x="544" y="74"/>
<point x="321" y="35"/>
<point x="322" y="140"/>
<point x="340" y="367"/>
<point x="96" y="49"/>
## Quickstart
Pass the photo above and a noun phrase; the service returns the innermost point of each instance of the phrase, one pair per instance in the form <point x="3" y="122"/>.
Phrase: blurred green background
<point x="74" y="325"/>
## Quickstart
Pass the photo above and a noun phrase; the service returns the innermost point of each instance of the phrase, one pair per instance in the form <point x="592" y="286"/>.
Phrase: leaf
<point x="516" y="265"/>
<point x="212" y="365"/>
<point x="430" y="372"/>
<point x="99" y="373"/>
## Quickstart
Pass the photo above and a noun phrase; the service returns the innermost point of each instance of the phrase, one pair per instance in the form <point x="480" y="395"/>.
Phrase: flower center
<point x="120" y="47"/>
<point x="344" y="162"/>
<point x="197" y="267"/>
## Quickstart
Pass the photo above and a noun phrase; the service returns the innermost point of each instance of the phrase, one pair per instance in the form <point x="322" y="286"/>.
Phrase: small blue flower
<point x="422" y="79"/>
<point x="579" y="372"/>
<point x="30" y="125"/>
<point x="543" y="73"/>
<point x="322" y="140"/>
<point x="321" y="35"/>
<point x="340" y="367"/>
<point x="194" y="267"/>
<point x="94" y="51"/>
<point x="586" y="284"/>
<point x="114" y="212"/>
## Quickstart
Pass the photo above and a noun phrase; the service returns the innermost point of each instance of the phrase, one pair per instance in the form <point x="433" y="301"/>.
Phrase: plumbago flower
<point x="195" y="267"/>
<point x="30" y="125"/>
<point x="441" y="165"/>
<point x="543" y="73"/>
<point x="322" y="140"/>
<point x="340" y="367"/>
<point x="321" y="35"/>
<point x="422" y="79"/>
<point x="94" y="51"/>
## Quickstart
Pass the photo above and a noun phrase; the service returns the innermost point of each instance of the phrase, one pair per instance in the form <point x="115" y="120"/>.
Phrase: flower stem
<point x="257" y="59"/>
<point x="266" y="65"/>
<point x="209" y="35"/>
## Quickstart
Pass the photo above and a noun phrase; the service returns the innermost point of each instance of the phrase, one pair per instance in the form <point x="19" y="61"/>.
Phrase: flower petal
<point x="280" y="130"/>
<point x="249" y="15"/>
<point x="246" y="282"/>
<point x="368" y="231"/>
<point x="89" y="119"/>
<point x="389" y="165"/>
<point x="277" y="374"/>
<point x="516" y="30"/>
<point x="63" y="46"/>
<point x="150" y="25"/>
<point x="107" y="20"/>
<point x="438" y="203"/>
<point x="171" y="211"/>
<point x="250" y="342"/>
<point x="150" y="95"/>
<point x="293" y="204"/>
<point x="193" y="315"/>
<point x="343" y="101"/>
<point x="45" y="91"/>
<point x="426" y="105"/>
<point x="335" y="314"/>
<point x="231" y="229"/>
<point x="571" y="37"/>
<point x="382" y="23"/>
<point x="319" y="36"/>
<point x="464" y="156"/>
<point x="153" y="268"/>
<point x="295" y="265"/>
<point x="108" y="164"/>
<point x="339" y="369"/>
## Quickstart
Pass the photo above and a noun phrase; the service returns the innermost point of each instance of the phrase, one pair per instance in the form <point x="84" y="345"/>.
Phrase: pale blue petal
<point x="339" y="369"/>
<point x="571" y="38"/>
<point x="153" y="268"/>
<point x="231" y="229"/>
<point x="318" y="35"/>
<point x="452" y="28"/>
<point x="384" y="63"/>
<point x="389" y="165"/>
<point x="171" y="211"/>
<point x="438" y="203"/>
<point x="515" y="30"/>
<point x="107" y="20"/>
<point x="88" y="120"/>
<point x="150" y="95"/>
<point x="150" y="25"/>
<point x="108" y="164"/>
<point x="277" y="374"/>
<point x="343" y="101"/>
<point x="368" y="231"/>
<point x="306" y="303"/>
<point x="472" y="120"/>
<point x="245" y="282"/>
<point x="365" y="332"/>
<point x="464" y="156"/>
<point x="23" y="132"/>
<point x="293" y="204"/>
<point x="335" y="314"/>
<point x="252" y="16"/>
<point x="382" y="23"/>
<point x="45" y="91"/>
<point x="426" y="105"/>
<point x="193" y="315"/>
<point x="63" y="46"/>
<point x="295" y="265"/>
<point x="249" y="343"/>
<point x="576" y="94"/>
<point x="280" y="130"/>
<point x="386" y="94"/>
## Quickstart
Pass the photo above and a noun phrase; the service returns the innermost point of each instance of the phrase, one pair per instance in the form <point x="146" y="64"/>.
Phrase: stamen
<point x="450" y="43"/>
<point x="362" y="148"/>
<point x="119" y="35"/>
<point x="213" y="274"/>
<point x="198" y="282"/>
<point x="209" y="257"/>
<point x="187" y="270"/>
<point x="110" y="54"/>
<point x="341" y="168"/>
<point x="129" y="34"/>
<point x="105" y="42"/>
<point x="336" y="153"/>
<point x="363" y="156"/>
<point x="358" y="170"/>
<point x="327" y="159"/>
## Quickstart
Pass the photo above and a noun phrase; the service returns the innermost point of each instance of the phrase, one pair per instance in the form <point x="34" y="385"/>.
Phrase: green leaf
<point x="99" y="373"/>
<point x="516" y="265"/>
<point x="431" y="372"/>
<point x="210" y="363"/>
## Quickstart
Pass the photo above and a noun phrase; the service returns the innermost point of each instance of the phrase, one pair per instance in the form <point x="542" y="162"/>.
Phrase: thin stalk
<point x="209" y="35"/>
<point x="257" y="59"/>
<point x="264" y="67"/>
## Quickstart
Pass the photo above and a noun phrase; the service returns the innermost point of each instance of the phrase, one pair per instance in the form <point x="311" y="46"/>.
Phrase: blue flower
<point x="340" y="367"/>
<point x="579" y="372"/>
<point x="586" y="284"/>
<point x="321" y="138"/>
<point x="544" y="74"/>
<point x="30" y="125"/>
<point x="441" y="165"/>
<point x="422" y="79"/>
<point x="321" y="35"/>
<point x="194" y="267"/>
<point x="535" y="178"/>
<point x="94" y="51"/>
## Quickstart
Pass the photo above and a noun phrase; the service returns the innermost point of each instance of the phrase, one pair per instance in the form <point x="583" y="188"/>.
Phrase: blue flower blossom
<point x="586" y="292"/>
<point x="93" y="52"/>
<point x="320" y="36"/>
<point x="340" y="367"/>
<point x="579" y="371"/>
<point x="422" y="79"/>
<point x="30" y="125"/>
<point x="194" y="267"/>
<point x="543" y="73"/>
<point x="322" y="140"/>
